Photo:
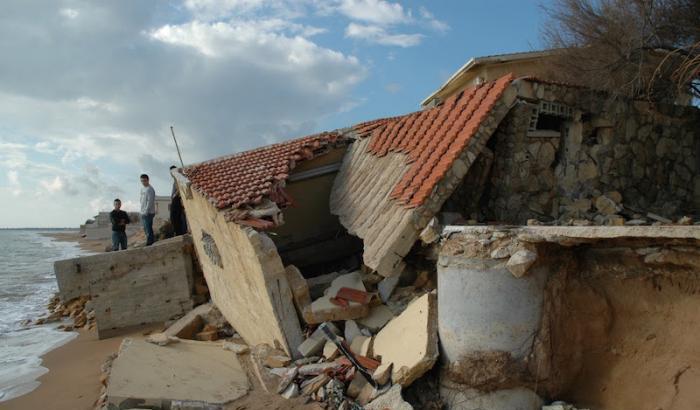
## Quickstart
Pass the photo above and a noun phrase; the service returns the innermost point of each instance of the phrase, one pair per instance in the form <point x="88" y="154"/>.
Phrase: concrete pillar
<point x="484" y="310"/>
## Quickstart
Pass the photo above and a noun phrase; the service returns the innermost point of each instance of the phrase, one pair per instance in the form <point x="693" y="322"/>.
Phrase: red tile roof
<point x="433" y="139"/>
<point x="245" y="178"/>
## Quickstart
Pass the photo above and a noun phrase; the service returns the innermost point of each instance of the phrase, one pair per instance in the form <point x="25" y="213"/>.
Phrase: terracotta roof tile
<point x="433" y="138"/>
<point x="246" y="178"/>
<point x="430" y="139"/>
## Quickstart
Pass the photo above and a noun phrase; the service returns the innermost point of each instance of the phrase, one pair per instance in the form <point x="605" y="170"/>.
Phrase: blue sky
<point x="89" y="89"/>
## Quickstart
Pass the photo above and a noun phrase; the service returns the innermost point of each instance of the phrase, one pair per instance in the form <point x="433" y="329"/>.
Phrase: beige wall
<point x="251" y="288"/>
<point x="491" y="71"/>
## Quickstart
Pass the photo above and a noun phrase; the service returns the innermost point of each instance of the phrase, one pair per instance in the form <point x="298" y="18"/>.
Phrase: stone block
<point x="351" y="330"/>
<point x="520" y="262"/>
<point x="410" y="340"/>
<point x="382" y="374"/>
<point x="318" y="284"/>
<point x="277" y="361"/>
<point x="330" y="351"/>
<point x="323" y="310"/>
<point x="386" y="287"/>
<point x="299" y="288"/>
<point x="362" y="345"/>
<point x="378" y="316"/>
<point x="187" y="326"/>
<point x="314" y="344"/>
<point x="156" y="376"/>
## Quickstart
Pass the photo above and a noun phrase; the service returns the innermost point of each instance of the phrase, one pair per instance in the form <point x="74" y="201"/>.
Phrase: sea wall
<point x="133" y="287"/>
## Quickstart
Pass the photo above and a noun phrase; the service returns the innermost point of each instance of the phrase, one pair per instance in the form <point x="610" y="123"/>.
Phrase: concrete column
<point x="485" y="312"/>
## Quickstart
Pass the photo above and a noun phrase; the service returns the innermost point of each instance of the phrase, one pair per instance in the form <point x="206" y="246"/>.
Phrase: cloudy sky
<point x="89" y="89"/>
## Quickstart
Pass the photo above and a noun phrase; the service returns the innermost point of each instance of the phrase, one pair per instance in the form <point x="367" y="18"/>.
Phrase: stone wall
<point x="650" y="158"/>
<point x="132" y="287"/>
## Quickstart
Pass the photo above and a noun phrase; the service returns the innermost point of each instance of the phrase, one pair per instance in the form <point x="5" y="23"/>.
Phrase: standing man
<point x="148" y="208"/>
<point x="119" y="220"/>
<point x="177" y="212"/>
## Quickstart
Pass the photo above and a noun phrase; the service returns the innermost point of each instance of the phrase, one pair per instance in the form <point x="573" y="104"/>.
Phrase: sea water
<point x="27" y="283"/>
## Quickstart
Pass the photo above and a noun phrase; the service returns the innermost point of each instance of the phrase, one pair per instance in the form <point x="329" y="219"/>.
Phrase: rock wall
<point x="651" y="158"/>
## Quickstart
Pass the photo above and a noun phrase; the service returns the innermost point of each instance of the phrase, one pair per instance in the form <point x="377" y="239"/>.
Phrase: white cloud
<point x="86" y="107"/>
<point x="430" y="20"/>
<point x="54" y="185"/>
<point x="69" y="13"/>
<point x="205" y="9"/>
<point x="13" y="177"/>
<point x="378" y="35"/>
<point x="375" y="11"/>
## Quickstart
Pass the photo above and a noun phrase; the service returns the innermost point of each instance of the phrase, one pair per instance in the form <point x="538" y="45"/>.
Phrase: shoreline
<point x="74" y="369"/>
<point x="87" y="245"/>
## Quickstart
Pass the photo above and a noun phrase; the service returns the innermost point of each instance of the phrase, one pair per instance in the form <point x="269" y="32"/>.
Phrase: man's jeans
<point x="118" y="239"/>
<point x="147" y="221"/>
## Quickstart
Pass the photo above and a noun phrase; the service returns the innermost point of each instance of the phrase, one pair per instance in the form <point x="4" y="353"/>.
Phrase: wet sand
<point x="89" y="245"/>
<point x="73" y="379"/>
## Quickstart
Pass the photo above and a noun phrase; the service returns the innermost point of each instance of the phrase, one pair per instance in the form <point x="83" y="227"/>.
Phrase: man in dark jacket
<point x="119" y="220"/>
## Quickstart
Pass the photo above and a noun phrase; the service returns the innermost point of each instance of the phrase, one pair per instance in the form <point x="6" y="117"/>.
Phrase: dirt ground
<point x="652" y="358"/>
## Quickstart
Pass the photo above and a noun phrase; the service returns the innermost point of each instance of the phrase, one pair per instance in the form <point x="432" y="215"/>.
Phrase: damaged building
<point x="533" y="207"/>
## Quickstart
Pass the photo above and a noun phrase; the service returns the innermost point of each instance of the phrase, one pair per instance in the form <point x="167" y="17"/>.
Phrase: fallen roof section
<point x="236" y="182"/>
<point x="396" y="178"/>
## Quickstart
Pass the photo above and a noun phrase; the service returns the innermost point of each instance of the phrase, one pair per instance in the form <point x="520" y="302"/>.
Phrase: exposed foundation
<point x="602" y="318"/>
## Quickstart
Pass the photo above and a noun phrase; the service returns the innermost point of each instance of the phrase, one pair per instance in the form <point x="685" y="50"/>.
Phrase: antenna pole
<point x="172" y="131"/>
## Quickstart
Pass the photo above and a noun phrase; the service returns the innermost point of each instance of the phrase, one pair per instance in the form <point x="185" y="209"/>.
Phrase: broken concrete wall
<point x="132" y="287"/>
<point x="245" y="275"/>
<point x="603" y="314"/>
<point x="651" y="158"/>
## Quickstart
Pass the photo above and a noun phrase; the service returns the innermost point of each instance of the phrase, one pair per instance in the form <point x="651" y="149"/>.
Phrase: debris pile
<point x="359" y="351"/>
<point x="79" y="309"/>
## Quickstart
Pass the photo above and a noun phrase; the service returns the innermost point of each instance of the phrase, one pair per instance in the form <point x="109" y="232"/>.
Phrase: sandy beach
<point x="73" y="380"/>
<point x="74" y="369"/>
<point x="74" y="236"/>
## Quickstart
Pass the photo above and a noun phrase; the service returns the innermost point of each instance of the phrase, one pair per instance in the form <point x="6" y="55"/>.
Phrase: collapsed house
<point x="378" y="200"/>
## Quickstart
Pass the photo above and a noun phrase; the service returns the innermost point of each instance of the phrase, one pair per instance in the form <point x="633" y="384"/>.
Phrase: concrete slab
<point x="146" y="374"/>
<point x="410" y="340"/>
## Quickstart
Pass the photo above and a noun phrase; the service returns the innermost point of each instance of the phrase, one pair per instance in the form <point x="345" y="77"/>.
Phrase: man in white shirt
<point x="148" y="208"/>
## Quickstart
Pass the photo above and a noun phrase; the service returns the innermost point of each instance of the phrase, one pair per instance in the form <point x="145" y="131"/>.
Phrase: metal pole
<point x="172" y="131"/>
